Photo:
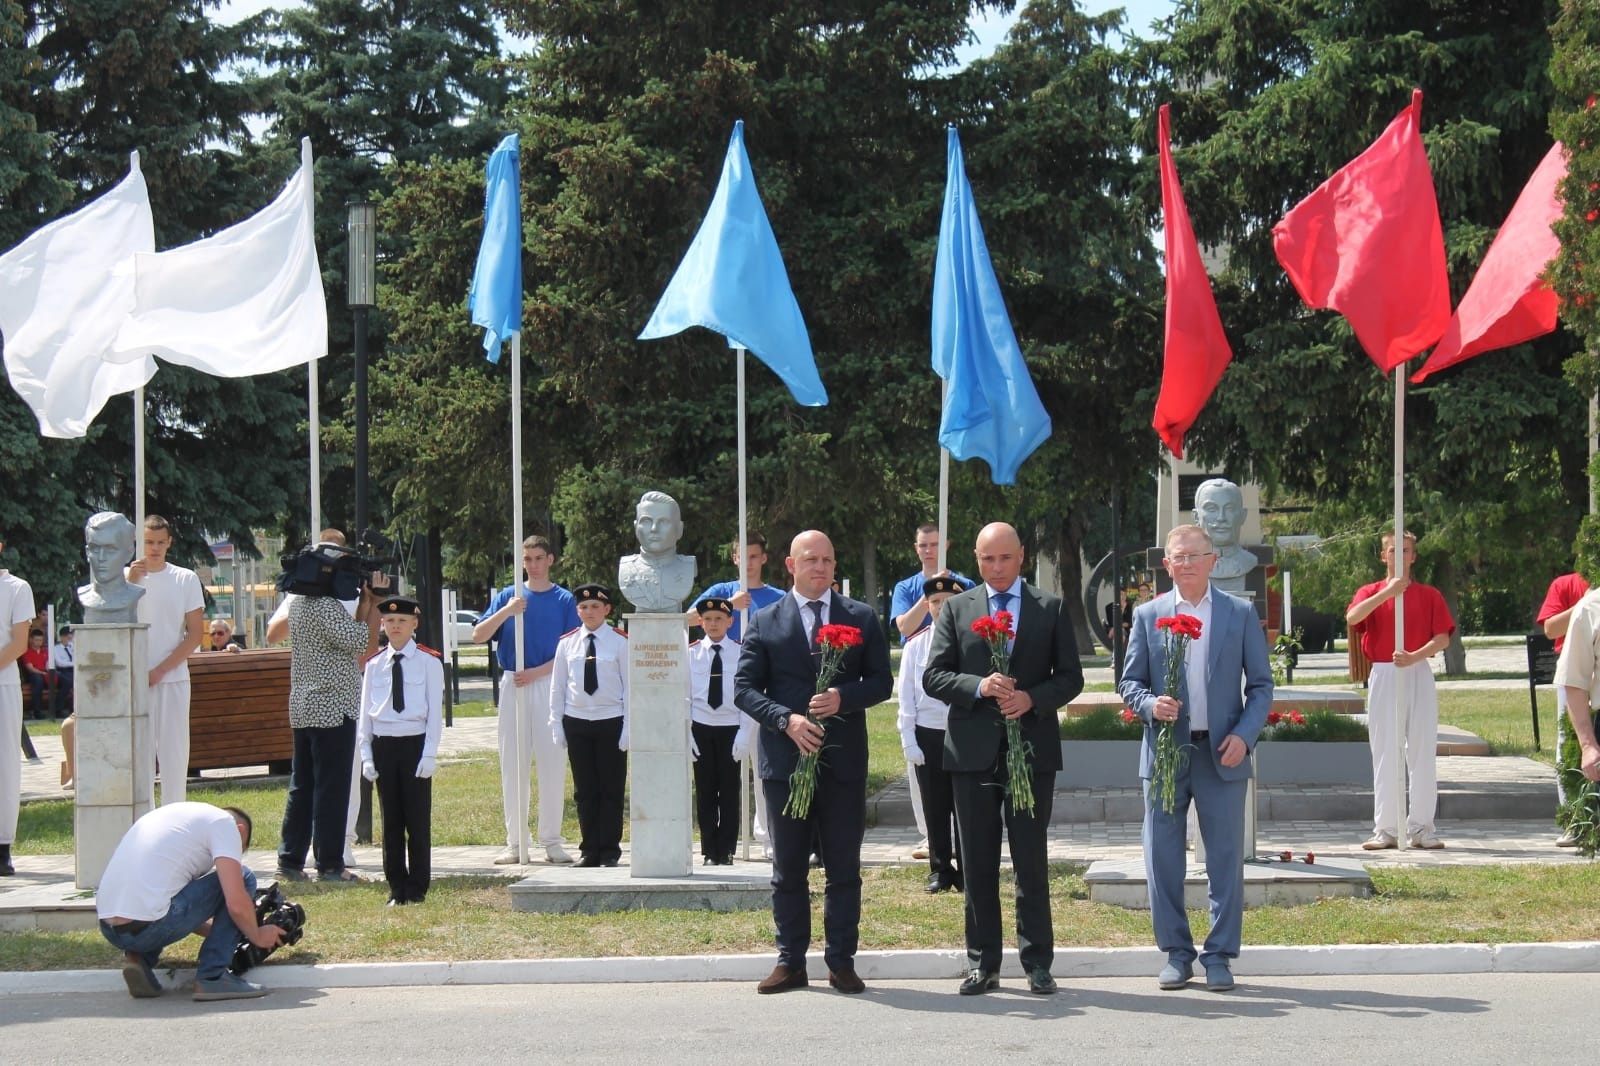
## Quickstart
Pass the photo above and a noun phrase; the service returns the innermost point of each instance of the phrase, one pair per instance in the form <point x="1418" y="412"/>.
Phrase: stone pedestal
<point x="115" y="760"/>
<point x="660" y="823"/>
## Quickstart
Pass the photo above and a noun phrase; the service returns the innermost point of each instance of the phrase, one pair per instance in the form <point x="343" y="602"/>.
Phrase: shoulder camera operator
<point x="332" y="628"/>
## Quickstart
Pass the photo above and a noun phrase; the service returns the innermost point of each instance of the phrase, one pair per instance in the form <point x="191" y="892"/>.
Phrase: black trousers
<point x="319" y="797"/>
<point x="716" y="789"/>
<point x="599" y="777"/>
<point x="839" y="817"/>
<point x="938" y="805"/>
<point x="406" y="802"/>
<point x="981" y="805"/>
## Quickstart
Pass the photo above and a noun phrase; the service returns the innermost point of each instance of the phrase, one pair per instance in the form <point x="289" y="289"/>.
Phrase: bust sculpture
<point x="1219" y="510"/>
<point x="108" y="544"/>
<point x="658" y="579"/>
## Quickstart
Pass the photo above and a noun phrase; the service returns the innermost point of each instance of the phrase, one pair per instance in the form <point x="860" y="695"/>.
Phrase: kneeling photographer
<point x="179" y="870"/>
<point x="327" y="646"/>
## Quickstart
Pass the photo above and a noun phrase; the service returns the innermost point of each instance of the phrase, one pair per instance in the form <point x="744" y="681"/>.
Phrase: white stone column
<point x="660" y="822"/>
<point x="115" y="756"/>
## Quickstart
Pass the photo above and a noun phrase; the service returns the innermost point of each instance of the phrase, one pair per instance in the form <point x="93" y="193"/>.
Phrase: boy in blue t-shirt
<point x="759" y="594"/>
<point x="548" y="610"/>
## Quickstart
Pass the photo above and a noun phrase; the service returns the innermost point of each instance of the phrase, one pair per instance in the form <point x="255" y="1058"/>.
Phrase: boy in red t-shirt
<point x="35" y="664"/>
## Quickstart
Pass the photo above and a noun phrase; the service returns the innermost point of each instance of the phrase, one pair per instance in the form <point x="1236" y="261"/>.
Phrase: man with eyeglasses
<point x="1219" y="711"/>
<point x="222" y="638"/>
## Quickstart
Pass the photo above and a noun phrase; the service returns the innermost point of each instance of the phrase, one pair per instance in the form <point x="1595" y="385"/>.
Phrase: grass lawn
<point x="471" y="918"/>
<point x="1502" y="717"/>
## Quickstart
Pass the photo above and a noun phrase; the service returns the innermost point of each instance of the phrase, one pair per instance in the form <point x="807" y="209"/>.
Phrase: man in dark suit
<point x="1223" y="704"/>
<point x="1045" y="674"/>
<point x="776" y="685"/>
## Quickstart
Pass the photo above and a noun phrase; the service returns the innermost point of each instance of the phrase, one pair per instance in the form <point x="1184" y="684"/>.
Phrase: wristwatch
<point x="783" y="723"/>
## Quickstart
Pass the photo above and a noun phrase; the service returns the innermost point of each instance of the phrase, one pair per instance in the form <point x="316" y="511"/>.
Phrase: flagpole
<point x="138" y="470"/>
<point x="315" y="417"/>
<point x="1397" y="773"/>
<point x="744" y="587"/>
<point x="524" y="785"/>
<point x="944" y="482"/>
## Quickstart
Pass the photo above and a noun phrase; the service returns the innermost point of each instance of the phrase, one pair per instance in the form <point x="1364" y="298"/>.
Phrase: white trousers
<point x="1561" y="738"/>
<point x="540" y="749"/>
<point x="10" y="761"/>
<point x="353" y="810"/>
<point x="1415" y="685"/>
<point x="169" y="728"/>
<point x="916" y="802"/>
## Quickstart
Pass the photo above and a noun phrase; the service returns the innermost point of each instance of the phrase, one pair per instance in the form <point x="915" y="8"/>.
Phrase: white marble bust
<point x="1219" y="510"/>
<point x="109" y="545"/>
<point x="658" y="579"/>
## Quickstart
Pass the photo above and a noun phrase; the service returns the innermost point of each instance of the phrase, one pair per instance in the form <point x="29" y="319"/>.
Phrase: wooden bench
<point x="239" y="710"/>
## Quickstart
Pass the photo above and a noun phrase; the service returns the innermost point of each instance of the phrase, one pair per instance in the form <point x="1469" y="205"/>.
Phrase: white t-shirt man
<point x="160" y="855"/>
<point x="170" y="594"/>
<point x="16" y="607"/>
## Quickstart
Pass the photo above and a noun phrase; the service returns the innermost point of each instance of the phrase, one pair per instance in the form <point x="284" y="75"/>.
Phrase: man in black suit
<point x="1044" y="675"/>
<point x="776" y="685"/>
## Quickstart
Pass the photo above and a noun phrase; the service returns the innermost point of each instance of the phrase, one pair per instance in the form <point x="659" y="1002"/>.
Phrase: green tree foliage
<point x="29" y="190"/>
<point x="1269" y="99"/>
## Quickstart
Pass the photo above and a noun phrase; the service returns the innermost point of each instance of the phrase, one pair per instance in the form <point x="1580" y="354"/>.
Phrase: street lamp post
<point x="362" y="279"/>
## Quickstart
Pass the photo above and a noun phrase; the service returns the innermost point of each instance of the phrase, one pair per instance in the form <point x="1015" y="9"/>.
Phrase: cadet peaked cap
<point x="935" y="585"/>
<point x="715" y="603"/>
<point x="599" y="593"/>
<point x="400" y="605"/>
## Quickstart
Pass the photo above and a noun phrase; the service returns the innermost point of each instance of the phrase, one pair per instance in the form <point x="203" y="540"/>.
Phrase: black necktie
<point x="714" y="691"/>
<point x="591" y="676"/>
<point x="398" y="685"/>
<point x="816" y="630"/>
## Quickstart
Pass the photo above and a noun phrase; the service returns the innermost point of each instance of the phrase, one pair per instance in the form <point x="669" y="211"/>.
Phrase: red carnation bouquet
<point x="1170" y="755"/>
<point x="996" y="632"/>
<point x="835" y="641"/>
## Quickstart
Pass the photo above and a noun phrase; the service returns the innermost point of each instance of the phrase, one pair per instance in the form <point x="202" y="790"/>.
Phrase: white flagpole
<point x="524" y="785"/>
<point x="744" y="614"/>
<point x="314" y="415"/>
<point x="1397" y="774"/>
<point x="944" y="482"/>
<point x="138" y="471"/>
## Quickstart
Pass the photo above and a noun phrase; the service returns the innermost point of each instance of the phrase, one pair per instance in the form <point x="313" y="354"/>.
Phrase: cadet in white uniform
<point x="714" y="723"/>
<point x="16" y="615"/>
<point x="589" y="718"/>
<point x="922" y="723"/>
<point x="402" y="717"/>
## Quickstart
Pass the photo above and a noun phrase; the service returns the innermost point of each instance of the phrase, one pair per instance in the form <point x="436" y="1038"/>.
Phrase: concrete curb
<point x="1071" y="964"/>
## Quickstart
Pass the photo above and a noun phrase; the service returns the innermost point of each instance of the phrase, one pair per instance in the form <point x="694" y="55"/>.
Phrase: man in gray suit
<point x="1226" y="694"/>
<point x="1044" y="675"/>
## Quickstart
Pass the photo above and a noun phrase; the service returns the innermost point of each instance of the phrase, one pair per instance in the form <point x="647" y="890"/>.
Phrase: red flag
<point x="1197" y="350"/>
<point x="1507" y="303"/>
<point x="1367" y="243"/>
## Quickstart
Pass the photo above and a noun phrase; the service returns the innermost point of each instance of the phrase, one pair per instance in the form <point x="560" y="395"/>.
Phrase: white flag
<point x="246" y="300"/>
<point x="63" y="293"/>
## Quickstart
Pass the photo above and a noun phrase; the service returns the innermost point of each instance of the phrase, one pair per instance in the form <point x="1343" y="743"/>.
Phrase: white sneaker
<point x="921" y="850"/>
<point x="1425" y="840"/>
<point x="557" y="855"/>
<point x="1569" y="839"/>
<point x="1380" y="841"/>
<point x="507" y="857"/>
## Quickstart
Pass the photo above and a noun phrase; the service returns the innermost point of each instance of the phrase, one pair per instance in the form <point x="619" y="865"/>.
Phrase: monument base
<point x="596" y="890"/>
<point x="115" y="753"/>
<point x="660" y="822"/>
<point x="1266" y="884"/>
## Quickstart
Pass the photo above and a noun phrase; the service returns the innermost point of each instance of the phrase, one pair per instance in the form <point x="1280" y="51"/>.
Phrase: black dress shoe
<point x="979" y="981"/>
<point x="936" y="885"/>
<point x="782" y="979"/>
<point x="393" y="902"/>
<point x="845" y="980"/>
<point x="588" y="860"/>
<point x="1040" y="983"/>
<point x="710" y="860"/>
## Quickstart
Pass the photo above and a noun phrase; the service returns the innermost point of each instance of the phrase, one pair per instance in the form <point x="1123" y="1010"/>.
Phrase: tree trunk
<point x="1455" y="653"/>
<point x="869" y="574"/>
<point x="1069" y="566"/>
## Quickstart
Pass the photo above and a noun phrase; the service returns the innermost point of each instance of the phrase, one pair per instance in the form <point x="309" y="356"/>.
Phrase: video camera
<point x="271" y="909"/>
<point x="339" y="571"/>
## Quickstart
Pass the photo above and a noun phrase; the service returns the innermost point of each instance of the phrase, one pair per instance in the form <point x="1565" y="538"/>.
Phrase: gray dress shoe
<point x="1175" y="975"/>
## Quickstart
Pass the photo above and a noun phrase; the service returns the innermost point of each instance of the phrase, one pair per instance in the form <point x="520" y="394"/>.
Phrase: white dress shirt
<point x="700" y="656"/>
<point x="610" y="699"/>
<point x="1195" y="660"/>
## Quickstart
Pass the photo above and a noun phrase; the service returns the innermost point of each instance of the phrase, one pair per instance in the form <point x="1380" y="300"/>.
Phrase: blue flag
<point x="993" y="411"/>
<point x="496" y="293"/>
<point x="732" y="281"/>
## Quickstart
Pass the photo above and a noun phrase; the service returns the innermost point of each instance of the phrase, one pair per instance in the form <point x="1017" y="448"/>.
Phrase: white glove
<point x="742" y="744"/>
<point x="694" y="749"/>
<point x="369" y="770"/>
<point x="622" y="741"/>
<point x="559" y="735"/>
<point x="426" y="767"/>
<point x="914" y="755"/>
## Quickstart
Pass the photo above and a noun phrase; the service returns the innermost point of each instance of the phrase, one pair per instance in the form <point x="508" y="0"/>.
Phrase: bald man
<point x="776" y="685"/>
<point x="1044" y="674"/>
